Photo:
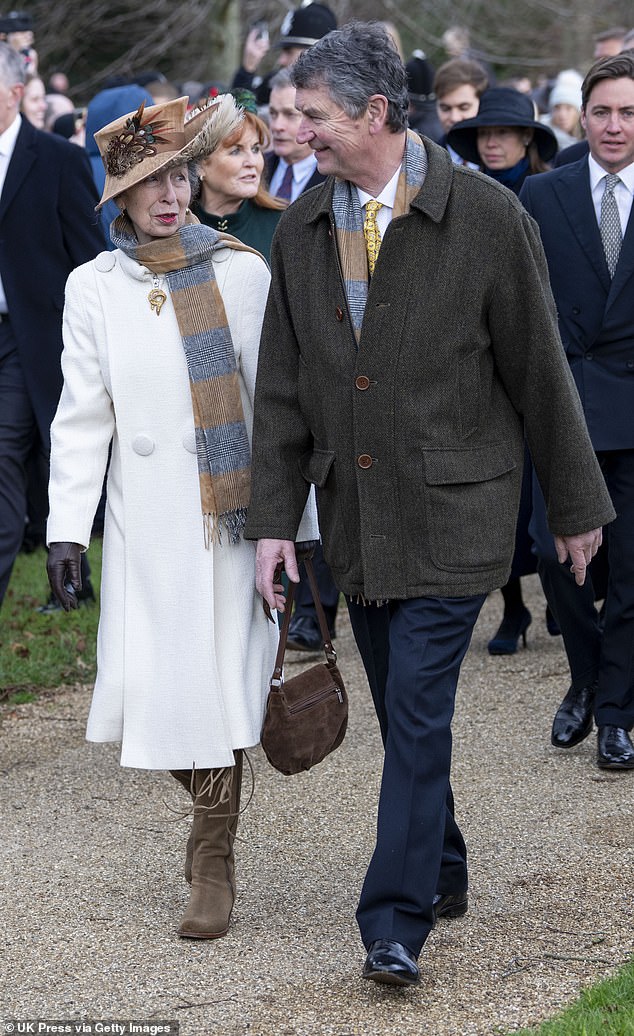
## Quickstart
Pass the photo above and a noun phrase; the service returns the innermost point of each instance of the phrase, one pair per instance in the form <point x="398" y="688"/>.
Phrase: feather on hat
<point x="161" y="136"/>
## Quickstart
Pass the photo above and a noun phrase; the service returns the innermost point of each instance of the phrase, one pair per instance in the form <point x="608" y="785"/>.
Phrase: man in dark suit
<point x="47" y="227"/>
<point x="405" y="400"/>
<point x="584" y="213"/>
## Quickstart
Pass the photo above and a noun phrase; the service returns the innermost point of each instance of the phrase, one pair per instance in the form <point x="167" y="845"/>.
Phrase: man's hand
<point x="272" y="555"/>
<point x="580" y="549"/>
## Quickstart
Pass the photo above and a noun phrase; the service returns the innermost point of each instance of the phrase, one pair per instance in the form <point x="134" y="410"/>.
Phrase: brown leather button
<point x="339" y="313"/>
<point x="362" y="383"/>
<point x="364" y="461"/>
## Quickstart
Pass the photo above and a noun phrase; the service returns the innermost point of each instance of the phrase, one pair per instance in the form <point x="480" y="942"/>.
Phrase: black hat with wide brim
<point x="501" y="106"/>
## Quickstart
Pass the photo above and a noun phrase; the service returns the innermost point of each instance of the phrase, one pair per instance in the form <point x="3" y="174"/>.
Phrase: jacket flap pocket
<point x="315" y="466"/>
<point x="448" y="467"/>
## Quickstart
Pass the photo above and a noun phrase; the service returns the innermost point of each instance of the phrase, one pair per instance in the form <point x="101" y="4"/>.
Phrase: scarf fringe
<point x="233" y="522"/>
<point x="366" y="602"/>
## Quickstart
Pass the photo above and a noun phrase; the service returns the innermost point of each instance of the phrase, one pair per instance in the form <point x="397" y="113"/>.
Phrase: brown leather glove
<point x="64" y="572"/>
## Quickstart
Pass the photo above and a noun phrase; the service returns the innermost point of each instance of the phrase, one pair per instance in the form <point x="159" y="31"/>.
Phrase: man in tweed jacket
<point x="404" y="398"/>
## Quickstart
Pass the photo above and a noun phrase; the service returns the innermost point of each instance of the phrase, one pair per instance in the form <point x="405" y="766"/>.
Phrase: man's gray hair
<point x="353" y="63"/>
<point x="12" y="69"/>
<point x="281" y="80"/>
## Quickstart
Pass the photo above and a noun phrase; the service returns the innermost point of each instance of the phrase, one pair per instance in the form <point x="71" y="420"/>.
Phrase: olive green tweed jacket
<point x="415" y="440"/>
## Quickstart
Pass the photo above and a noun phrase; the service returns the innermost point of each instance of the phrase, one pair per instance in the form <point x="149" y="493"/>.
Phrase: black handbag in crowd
<point x="306" y="717"/>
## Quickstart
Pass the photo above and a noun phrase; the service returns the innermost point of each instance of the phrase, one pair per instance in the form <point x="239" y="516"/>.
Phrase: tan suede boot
<point x="184" y="777"/>
<point x="216" y="809"/>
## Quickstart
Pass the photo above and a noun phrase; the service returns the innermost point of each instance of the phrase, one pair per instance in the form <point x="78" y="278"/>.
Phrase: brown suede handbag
<point x="306" y="717"/>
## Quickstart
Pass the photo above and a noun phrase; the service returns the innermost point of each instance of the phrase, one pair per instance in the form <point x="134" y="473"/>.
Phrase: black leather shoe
<point x="573" y="719"/>
<point x="304" y="634"/>
<point x="451" y="905"/>
<point x="511" y="628"/>
<point x="615" y="750"/>
<point x="392" y="963"/>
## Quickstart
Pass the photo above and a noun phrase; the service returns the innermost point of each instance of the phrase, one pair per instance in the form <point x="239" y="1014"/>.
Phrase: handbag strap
<point x="329" y="651"/>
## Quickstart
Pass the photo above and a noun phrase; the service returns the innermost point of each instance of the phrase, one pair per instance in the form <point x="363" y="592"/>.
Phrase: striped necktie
<point x="285" y="188"/>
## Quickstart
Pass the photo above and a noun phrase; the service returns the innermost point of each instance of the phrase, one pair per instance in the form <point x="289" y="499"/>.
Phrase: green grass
<point x="43" y="651"/>
<point x="606" y="1009"/>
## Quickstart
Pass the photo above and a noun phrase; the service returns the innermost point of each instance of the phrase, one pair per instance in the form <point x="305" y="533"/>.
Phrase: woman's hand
<point x="64" y="572"/>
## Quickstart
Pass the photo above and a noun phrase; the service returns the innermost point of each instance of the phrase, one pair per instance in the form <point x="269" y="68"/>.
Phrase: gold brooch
<point x="156" y="299"/>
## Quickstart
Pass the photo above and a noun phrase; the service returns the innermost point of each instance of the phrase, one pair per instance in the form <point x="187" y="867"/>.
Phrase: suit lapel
<point x="573" y="192"/>
<point x="23" y="157"/>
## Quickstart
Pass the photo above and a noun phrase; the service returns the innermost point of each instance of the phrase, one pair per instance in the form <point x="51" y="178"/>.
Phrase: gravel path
<point x="93" y="888"/>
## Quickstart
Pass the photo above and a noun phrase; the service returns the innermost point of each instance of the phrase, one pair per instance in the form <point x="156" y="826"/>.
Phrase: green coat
<point x="415" y="440"/>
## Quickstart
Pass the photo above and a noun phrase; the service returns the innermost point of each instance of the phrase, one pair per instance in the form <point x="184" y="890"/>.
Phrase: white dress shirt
<point x="623" y="192"/>
<point x="7" y="146"/>
<point x="386" y="198"/>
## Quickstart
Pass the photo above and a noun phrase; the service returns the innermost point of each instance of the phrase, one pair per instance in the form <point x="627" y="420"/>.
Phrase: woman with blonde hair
<point x="33" y="104"/>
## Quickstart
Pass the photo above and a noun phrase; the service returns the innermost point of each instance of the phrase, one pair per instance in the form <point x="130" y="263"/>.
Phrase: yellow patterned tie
<point x="371" y="233"/>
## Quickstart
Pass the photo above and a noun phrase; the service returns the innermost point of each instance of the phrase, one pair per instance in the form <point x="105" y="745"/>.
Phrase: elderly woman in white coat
<point x="160" y="352"/>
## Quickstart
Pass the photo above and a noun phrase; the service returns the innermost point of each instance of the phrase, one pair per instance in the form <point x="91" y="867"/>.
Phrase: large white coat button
<point x="104" y="262"/>
<point x="143" y="445"/>
<point x="189" y="441"/>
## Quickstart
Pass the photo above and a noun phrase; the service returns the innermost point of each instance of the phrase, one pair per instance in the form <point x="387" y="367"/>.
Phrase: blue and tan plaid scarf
<point x="222" y="444"/>
<point x="349" y="223"/>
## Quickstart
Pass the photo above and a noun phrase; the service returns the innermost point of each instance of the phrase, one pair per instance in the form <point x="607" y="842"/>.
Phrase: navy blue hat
<point x="501" y="106"/>
<point x="420" y="77"/>
<point x="305" y="25"/>
<point x="16" y="21"/>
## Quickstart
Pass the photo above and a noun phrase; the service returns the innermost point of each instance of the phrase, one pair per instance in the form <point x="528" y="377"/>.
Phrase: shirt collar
<point x="597" y="173"/>
<point x="10" y="135"/>
<point x="387" y="195"/>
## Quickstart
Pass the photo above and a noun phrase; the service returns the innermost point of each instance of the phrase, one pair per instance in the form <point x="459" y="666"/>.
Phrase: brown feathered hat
<point x="160" y="137"/>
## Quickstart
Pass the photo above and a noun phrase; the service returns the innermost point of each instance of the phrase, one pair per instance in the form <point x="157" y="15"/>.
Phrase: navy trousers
<point x="18" y="432"/>
<point x="412" y="651"/>
<point x="328" y="592"/>
<point x="19" y="437"/>
<point x="605" y="656"/>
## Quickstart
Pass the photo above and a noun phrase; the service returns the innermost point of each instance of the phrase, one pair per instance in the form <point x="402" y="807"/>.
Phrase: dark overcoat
<point x="48" y="226"/>
<point x="415" y="439"/>
<point x="596" y="312"/>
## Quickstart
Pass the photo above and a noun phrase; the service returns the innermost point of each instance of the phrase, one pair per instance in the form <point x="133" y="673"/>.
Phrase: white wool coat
<point x="184" y="652"/>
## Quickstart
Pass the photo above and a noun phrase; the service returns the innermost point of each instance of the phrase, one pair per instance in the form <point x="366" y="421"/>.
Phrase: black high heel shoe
<point x="512" y="627"/>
